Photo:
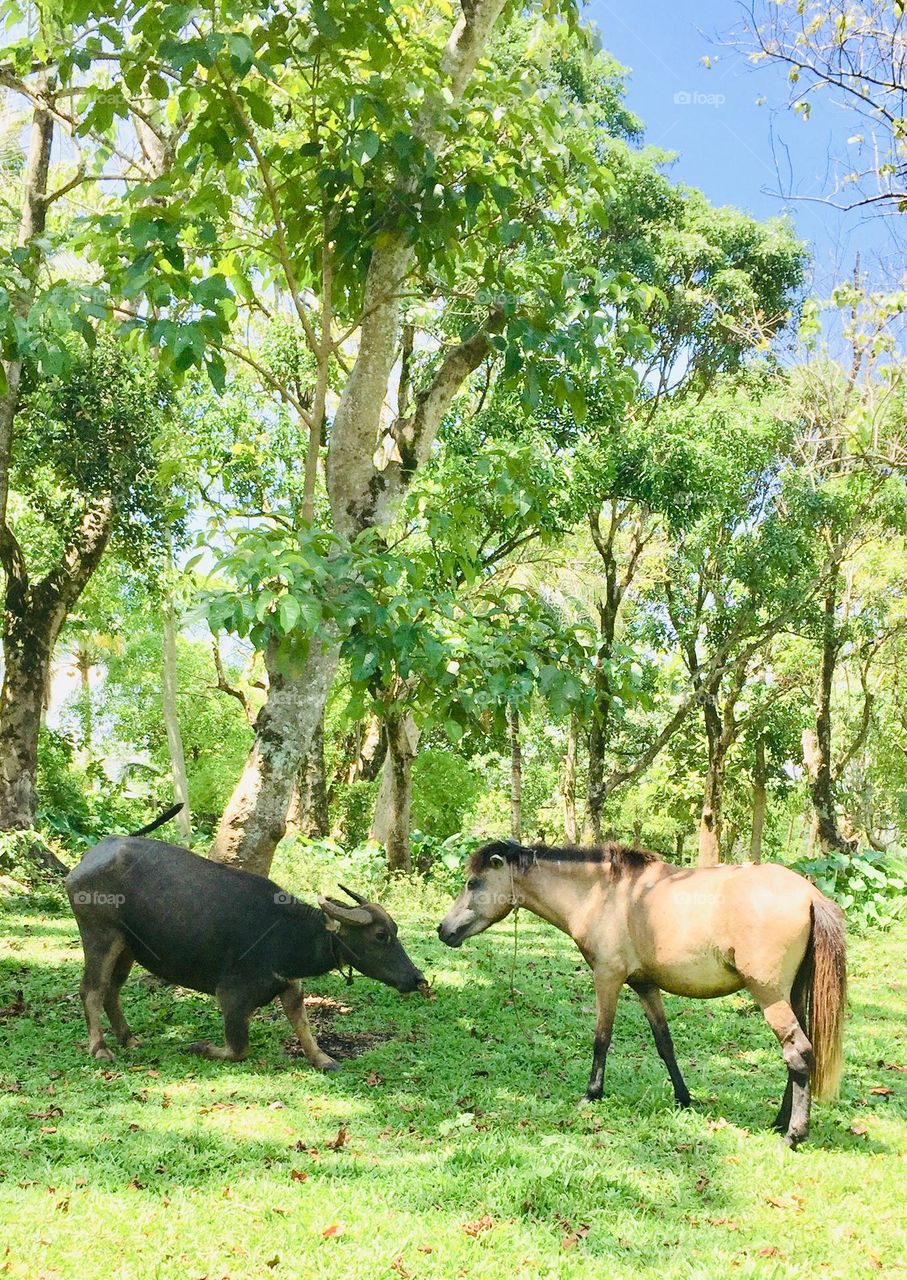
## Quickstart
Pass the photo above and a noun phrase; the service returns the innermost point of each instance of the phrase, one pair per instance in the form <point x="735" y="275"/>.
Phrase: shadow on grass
<point x="463" y="1083"/>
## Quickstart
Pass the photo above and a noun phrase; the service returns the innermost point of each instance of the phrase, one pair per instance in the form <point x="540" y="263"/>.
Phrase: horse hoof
<point x="327" y="1064"/>
<point x="131" y="1042"/>
<point x="201" y="1048"/>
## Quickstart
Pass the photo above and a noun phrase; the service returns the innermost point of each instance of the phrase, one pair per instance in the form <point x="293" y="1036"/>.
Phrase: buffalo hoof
<point x="684" y="1101"/>
<point x="792" y="1140"/>
<point x="587" y="1100"/>
<point x="102" y="1054"/>
<point x="131" y="1042"/>
<point x="201" y="1048"/>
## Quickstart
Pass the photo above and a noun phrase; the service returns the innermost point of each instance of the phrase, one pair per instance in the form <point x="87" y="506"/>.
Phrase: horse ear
<point x="497" y="860"/>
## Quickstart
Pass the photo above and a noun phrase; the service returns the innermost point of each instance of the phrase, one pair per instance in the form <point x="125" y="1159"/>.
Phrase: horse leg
<point x="650" y="998"/>
<point x="798" y="1004"/>
<point x="607" y="990"/>
<point x="798" y="1052"/>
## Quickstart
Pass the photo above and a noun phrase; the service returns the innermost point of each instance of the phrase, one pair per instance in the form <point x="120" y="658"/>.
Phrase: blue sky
<point x="738" y="152"/>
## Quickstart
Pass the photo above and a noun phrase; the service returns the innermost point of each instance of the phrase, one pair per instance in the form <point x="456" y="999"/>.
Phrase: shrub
<point x="444" y="787"/>
<point x="869" y="886"/>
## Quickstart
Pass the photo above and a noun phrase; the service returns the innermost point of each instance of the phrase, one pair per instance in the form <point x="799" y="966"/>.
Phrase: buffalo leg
<point x="294" y="1008"/>
<point x="102" y="950"/>
<point x="650" y="998"/>
<point x="798" y="1053"/>
<point x="237" y="1009"/>
<point x="607" y="990"/>
<point x="118" y="1023"/>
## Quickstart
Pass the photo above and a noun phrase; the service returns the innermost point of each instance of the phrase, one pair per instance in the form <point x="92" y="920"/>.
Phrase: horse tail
<point x="825" y="970"/>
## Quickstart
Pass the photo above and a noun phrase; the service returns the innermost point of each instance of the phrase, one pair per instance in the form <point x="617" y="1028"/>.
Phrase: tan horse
<point x="704" y="933"/>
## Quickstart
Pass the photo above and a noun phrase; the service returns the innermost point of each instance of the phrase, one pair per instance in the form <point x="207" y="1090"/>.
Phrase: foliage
<point x="444" y="788"/>
<point x="79" y="802"/>
<point x="94" y="431"/>
<point x="213" y="727"/>
<point x="869" y="885"/>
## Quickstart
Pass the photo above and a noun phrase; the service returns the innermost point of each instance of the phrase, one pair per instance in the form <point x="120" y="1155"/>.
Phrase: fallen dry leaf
<point x="299" y="1175"/>
<point x="334" y="1144"/>
<point x="16" y="1008"/>
<point x="572" y="1239"/>
<point x="770" y="1251"/>
<point x="788" y="1201"/>
<point x="882" y="1091"/>
<point x="335" y="1229"/>
<point x="398" y="1267"/>
<point x="476" y="1228"/>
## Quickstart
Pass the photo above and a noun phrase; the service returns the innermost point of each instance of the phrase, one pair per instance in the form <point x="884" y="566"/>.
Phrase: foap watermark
<point x="696" y="98"/>
<point x="284" y="899"/>
<point x="82" y="898"/>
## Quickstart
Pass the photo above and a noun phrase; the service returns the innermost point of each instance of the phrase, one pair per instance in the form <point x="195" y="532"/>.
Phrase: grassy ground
<point x="453" y="1148"/>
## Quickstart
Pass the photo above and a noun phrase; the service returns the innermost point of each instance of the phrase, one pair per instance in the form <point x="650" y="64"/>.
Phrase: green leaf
<point x="288" y="613"/>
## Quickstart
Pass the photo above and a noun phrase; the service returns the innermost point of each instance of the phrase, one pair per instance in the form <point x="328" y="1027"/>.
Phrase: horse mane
<point x="623" y="859"/>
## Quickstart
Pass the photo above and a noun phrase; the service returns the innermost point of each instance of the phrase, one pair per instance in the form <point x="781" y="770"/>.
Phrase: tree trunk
<point x="760" y="776"/>
<point x="516" y="776"/>
<point x="817" y="742"/>
<point x="33" y="616"/>
<point x="595" y="785"/>
<point x="32" y="222"/>
<point x="28" y="638"/>
<point x="368" y="466"/>
<point x="25" y="676"/>
<point x="710" y="817"/>
<point x="255" y="818"/>
<point x="391" y="824"/>
<point x="312" y="792"/>
<point x="568" y="788"/>
<point x="172" y="727"/>
<point x="369" y="753"/>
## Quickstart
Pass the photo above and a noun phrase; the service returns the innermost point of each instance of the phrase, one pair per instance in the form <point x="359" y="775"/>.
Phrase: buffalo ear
<point x="497" y="860"/>
<point x="332" y="926"/>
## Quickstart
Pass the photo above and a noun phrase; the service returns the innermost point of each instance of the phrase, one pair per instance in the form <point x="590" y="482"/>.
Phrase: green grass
<point x="465" y="1152"/>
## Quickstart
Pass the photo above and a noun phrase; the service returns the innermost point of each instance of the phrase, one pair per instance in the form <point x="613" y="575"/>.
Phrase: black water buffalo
<point x="213" y="928"/>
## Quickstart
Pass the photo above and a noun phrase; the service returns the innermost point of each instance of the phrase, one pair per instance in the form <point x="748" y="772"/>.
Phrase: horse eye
<point x="473" y="883"/>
